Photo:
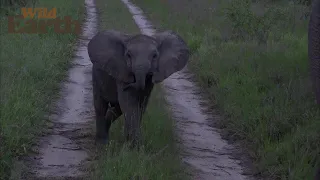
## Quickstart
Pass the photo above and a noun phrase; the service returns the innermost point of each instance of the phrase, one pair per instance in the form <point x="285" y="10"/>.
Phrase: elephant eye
<point x="155" y="55"/>
<point x="128" y="54"/>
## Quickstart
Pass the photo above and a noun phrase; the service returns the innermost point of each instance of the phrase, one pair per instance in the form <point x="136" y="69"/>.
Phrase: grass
<point x="32" y="66"/>
<point x="157" y="159"/>
<point x="251" y="57"/>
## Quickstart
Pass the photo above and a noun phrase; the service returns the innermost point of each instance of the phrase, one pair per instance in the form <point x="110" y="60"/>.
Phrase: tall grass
<point x="16" y="2"/>
<point x="7" y="6"/>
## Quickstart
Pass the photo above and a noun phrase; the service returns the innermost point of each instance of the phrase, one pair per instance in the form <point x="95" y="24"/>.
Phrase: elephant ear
<point x="106" y="50"/>
<point x="173" y="55"/>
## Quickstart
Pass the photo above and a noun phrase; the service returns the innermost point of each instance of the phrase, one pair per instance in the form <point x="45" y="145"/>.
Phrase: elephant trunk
<point x="140" y="80"/>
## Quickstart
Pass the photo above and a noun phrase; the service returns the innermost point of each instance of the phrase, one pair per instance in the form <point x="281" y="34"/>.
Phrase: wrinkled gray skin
<point x="125" y="69"/>
<point x="314" y="47"/>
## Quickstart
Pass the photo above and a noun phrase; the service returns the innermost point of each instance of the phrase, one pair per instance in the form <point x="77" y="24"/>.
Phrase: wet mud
<point x="64" y="151"/>
<point x="204" y="151"/>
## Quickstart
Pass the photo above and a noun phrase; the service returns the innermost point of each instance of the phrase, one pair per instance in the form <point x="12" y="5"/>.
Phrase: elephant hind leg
<point x="113" y="113"/>
<point x="101" y="107"/>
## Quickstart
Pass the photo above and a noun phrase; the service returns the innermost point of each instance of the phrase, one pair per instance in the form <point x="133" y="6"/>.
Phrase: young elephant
<point x="314" y="47"/>
<point x="125" y="69"/>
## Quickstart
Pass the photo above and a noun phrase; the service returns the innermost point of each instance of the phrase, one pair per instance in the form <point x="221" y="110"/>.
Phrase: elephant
<point x="125" y="68"/>
<point x="314" y="47"/>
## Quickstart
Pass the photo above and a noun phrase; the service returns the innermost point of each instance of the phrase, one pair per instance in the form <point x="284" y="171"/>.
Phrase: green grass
<point x="254" y="66"/>
<point x="158" y="158"/>
<point x="31" y="66"/>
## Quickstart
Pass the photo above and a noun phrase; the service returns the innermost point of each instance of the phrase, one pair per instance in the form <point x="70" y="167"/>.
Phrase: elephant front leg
<point x="132" y="128"/>
<point x="130" y="105"/>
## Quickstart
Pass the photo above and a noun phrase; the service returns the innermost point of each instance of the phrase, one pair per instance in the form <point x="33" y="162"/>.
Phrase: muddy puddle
<point x="62" y="151"/>
<point x="204" y="151"/>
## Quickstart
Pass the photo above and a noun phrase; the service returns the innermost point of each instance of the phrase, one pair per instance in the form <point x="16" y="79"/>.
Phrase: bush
<point x="247" y="25"/>
<point x="6" y="6"/>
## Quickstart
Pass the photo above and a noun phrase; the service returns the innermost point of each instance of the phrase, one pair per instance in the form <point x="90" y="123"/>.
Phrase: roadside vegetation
<point x="157" y="159"/>
<point x="31" y="67"/>
<point x="251" y="58"/>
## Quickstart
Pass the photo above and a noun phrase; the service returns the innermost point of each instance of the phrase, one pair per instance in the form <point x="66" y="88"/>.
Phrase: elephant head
<point x="133" y="59"/>
<point x="314" y="47"/>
